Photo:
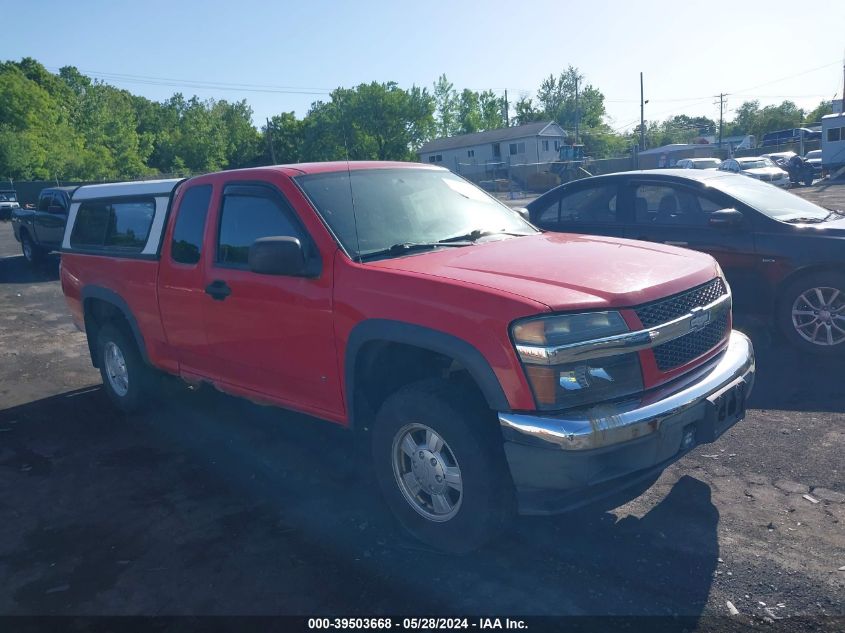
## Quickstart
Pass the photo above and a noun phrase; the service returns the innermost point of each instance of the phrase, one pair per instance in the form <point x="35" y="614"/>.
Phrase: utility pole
<point x="506" y="111"/>
<point x="577" y="111"/>
<point x="721" y="116"/>
<point x="642" y="115"/>
<point x="270" y="142"/>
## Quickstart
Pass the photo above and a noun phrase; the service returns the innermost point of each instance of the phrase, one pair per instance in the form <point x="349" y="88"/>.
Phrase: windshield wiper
<point x="477" y="234"/>
<point x="404" y="248"/>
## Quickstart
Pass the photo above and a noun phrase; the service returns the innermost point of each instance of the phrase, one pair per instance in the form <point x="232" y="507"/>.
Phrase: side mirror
<point x="523" y="212"/>
<point x="277" y="256"/>
<point x="726" y="219"/>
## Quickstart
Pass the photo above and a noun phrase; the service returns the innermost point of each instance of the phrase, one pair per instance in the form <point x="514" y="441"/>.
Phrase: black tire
<point x="792" y="328"/>
<point x="32" y="253"/>
<point x="808" y="180"/>
<point x="138" y="373"/>
<point x="470" y="432"/>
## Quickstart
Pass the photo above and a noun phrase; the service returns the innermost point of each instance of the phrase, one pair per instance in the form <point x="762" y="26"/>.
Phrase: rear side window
<point x="119" y="225"/>
<point x="592" y="204"/>
<point x="246" y="218"/>
<point x="186" y="246"/>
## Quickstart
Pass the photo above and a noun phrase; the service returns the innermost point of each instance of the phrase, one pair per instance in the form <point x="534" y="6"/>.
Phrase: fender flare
<point x="384" y="330"/>
<point x="110" y="296"/>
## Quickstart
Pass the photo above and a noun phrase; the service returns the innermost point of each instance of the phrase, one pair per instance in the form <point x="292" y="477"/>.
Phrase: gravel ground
<point x="207" y="504"/>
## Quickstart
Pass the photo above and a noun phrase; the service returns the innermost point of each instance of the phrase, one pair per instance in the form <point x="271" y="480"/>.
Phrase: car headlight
<point x="571" y="384"/>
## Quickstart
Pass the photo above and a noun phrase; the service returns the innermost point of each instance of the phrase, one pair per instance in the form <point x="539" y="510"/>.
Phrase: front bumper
<point x="562" y="461"/>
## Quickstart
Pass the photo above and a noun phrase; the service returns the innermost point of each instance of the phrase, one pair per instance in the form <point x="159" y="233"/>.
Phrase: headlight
<point x="565" y="385"/>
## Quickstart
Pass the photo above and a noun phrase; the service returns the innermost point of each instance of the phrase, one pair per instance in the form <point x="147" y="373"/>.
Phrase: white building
<point x="492" y="150"/>
<point x="833" y="141"/>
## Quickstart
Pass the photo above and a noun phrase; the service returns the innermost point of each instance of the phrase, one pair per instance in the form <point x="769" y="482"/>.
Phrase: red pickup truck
<point x="495" y="367"/>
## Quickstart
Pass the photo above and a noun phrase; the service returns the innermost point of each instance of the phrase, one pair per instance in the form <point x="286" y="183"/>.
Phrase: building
<point x="485" y="153"/>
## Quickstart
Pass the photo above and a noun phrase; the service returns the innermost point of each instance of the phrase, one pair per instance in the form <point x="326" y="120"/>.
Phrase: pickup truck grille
<point x="682" y="350"/>
<point x="658" y="312"/>
<point x="690" y="346"/>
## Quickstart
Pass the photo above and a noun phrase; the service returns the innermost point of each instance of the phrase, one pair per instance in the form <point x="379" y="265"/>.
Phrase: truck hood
<point x="567" y="271"/>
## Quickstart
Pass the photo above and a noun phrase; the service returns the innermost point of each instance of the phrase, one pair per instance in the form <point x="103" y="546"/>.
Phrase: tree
<point x="526" y="112"/>
<point x="446" y="107"/>
<point x="469" y="112"/>
<point x="286" y="136"/>
<point x="491" y="108"/>
<point x="557" y="99"/>
<point x="814" y="117"/>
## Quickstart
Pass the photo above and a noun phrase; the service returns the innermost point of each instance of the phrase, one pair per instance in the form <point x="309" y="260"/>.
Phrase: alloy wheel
<point x="818" y="316"/>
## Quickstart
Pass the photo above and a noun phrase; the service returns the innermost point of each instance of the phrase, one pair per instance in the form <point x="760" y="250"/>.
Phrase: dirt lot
<point x="210" y="505"/>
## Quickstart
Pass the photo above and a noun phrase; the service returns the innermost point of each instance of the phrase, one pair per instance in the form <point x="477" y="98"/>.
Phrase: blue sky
<point x="276" y="51"/>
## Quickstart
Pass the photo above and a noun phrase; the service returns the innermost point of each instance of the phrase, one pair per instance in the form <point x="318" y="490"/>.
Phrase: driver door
<point x="269" y="335"/>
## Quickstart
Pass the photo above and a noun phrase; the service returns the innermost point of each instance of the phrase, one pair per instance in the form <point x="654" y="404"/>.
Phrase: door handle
<point x="218" y="289"/>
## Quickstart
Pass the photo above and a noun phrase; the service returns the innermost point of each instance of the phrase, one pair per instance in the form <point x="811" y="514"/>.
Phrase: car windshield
<point x="372" y="210"/>
<point x="772" y="201"/>
<point x="8" y="196"/>
<point x="816" y="153"/>
<point x="757" y="163"/>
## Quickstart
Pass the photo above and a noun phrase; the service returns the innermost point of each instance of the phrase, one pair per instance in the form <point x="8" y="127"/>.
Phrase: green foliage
<point x="67" y="126"/>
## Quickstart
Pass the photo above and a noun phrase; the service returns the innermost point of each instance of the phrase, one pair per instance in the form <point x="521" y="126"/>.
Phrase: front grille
<point x="671" y="308"/>
<point x="682" y="350"/>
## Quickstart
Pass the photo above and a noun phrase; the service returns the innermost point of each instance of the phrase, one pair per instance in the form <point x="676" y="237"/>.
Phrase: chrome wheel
<point x="818" y="316"/>
<point x="116" y="370"/>
<point x="427" y="472"/>
<point x="26" y="245"/>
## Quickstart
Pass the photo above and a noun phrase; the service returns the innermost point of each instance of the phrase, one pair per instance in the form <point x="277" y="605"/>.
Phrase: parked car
<point x="698" y="163"/>
<point x="40" y="230"/>
<point x="782" y="255"/>
<point x="8" y="202"/>
<point x="780" y="159"/>
<point x="814" y="158"/>
<point x="495" y="367"/>
<point x="758" y="167"/>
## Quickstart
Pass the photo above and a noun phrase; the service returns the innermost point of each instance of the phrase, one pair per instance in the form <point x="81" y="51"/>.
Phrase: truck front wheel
<point x="441" y="467"/>
<point x="125" y="376"/>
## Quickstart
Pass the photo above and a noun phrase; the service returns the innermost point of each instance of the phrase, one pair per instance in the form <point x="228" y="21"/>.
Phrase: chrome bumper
<point x="606" y="425"/>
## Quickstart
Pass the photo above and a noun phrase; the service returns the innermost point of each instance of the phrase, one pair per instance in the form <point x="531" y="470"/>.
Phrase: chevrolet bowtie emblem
<point x="699" y="319"/>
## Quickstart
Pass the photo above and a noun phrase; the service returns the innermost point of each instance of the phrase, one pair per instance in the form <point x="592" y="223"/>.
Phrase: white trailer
<point x="833" y="142"/>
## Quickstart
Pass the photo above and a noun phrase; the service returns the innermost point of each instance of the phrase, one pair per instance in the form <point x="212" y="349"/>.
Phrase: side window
<point x="668" y="205"/>
<point x="44" y="201"/>
<point x="246" y="218"/>
<point x="594" y="204"/>
<point x="186" y="245"/>
<point x="120" y="225"/>
<point x="58" y="203"/>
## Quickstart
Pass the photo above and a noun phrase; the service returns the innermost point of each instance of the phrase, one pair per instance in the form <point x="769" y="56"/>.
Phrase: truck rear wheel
<point x="125" y="375"/>
<point x="31" y="251"/>
<point x="441" y="466"/>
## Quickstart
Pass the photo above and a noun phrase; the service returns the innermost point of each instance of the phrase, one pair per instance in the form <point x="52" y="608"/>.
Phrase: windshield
<point x="8" y="196"/>
<point x="757" y="163"/>
<point x="405" y="206"/>
<point x="816" y="153"/>
<point x="772" y="201"/>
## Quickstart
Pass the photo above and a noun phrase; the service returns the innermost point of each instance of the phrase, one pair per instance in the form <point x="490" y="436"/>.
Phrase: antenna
<point x="349" y="175"/>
